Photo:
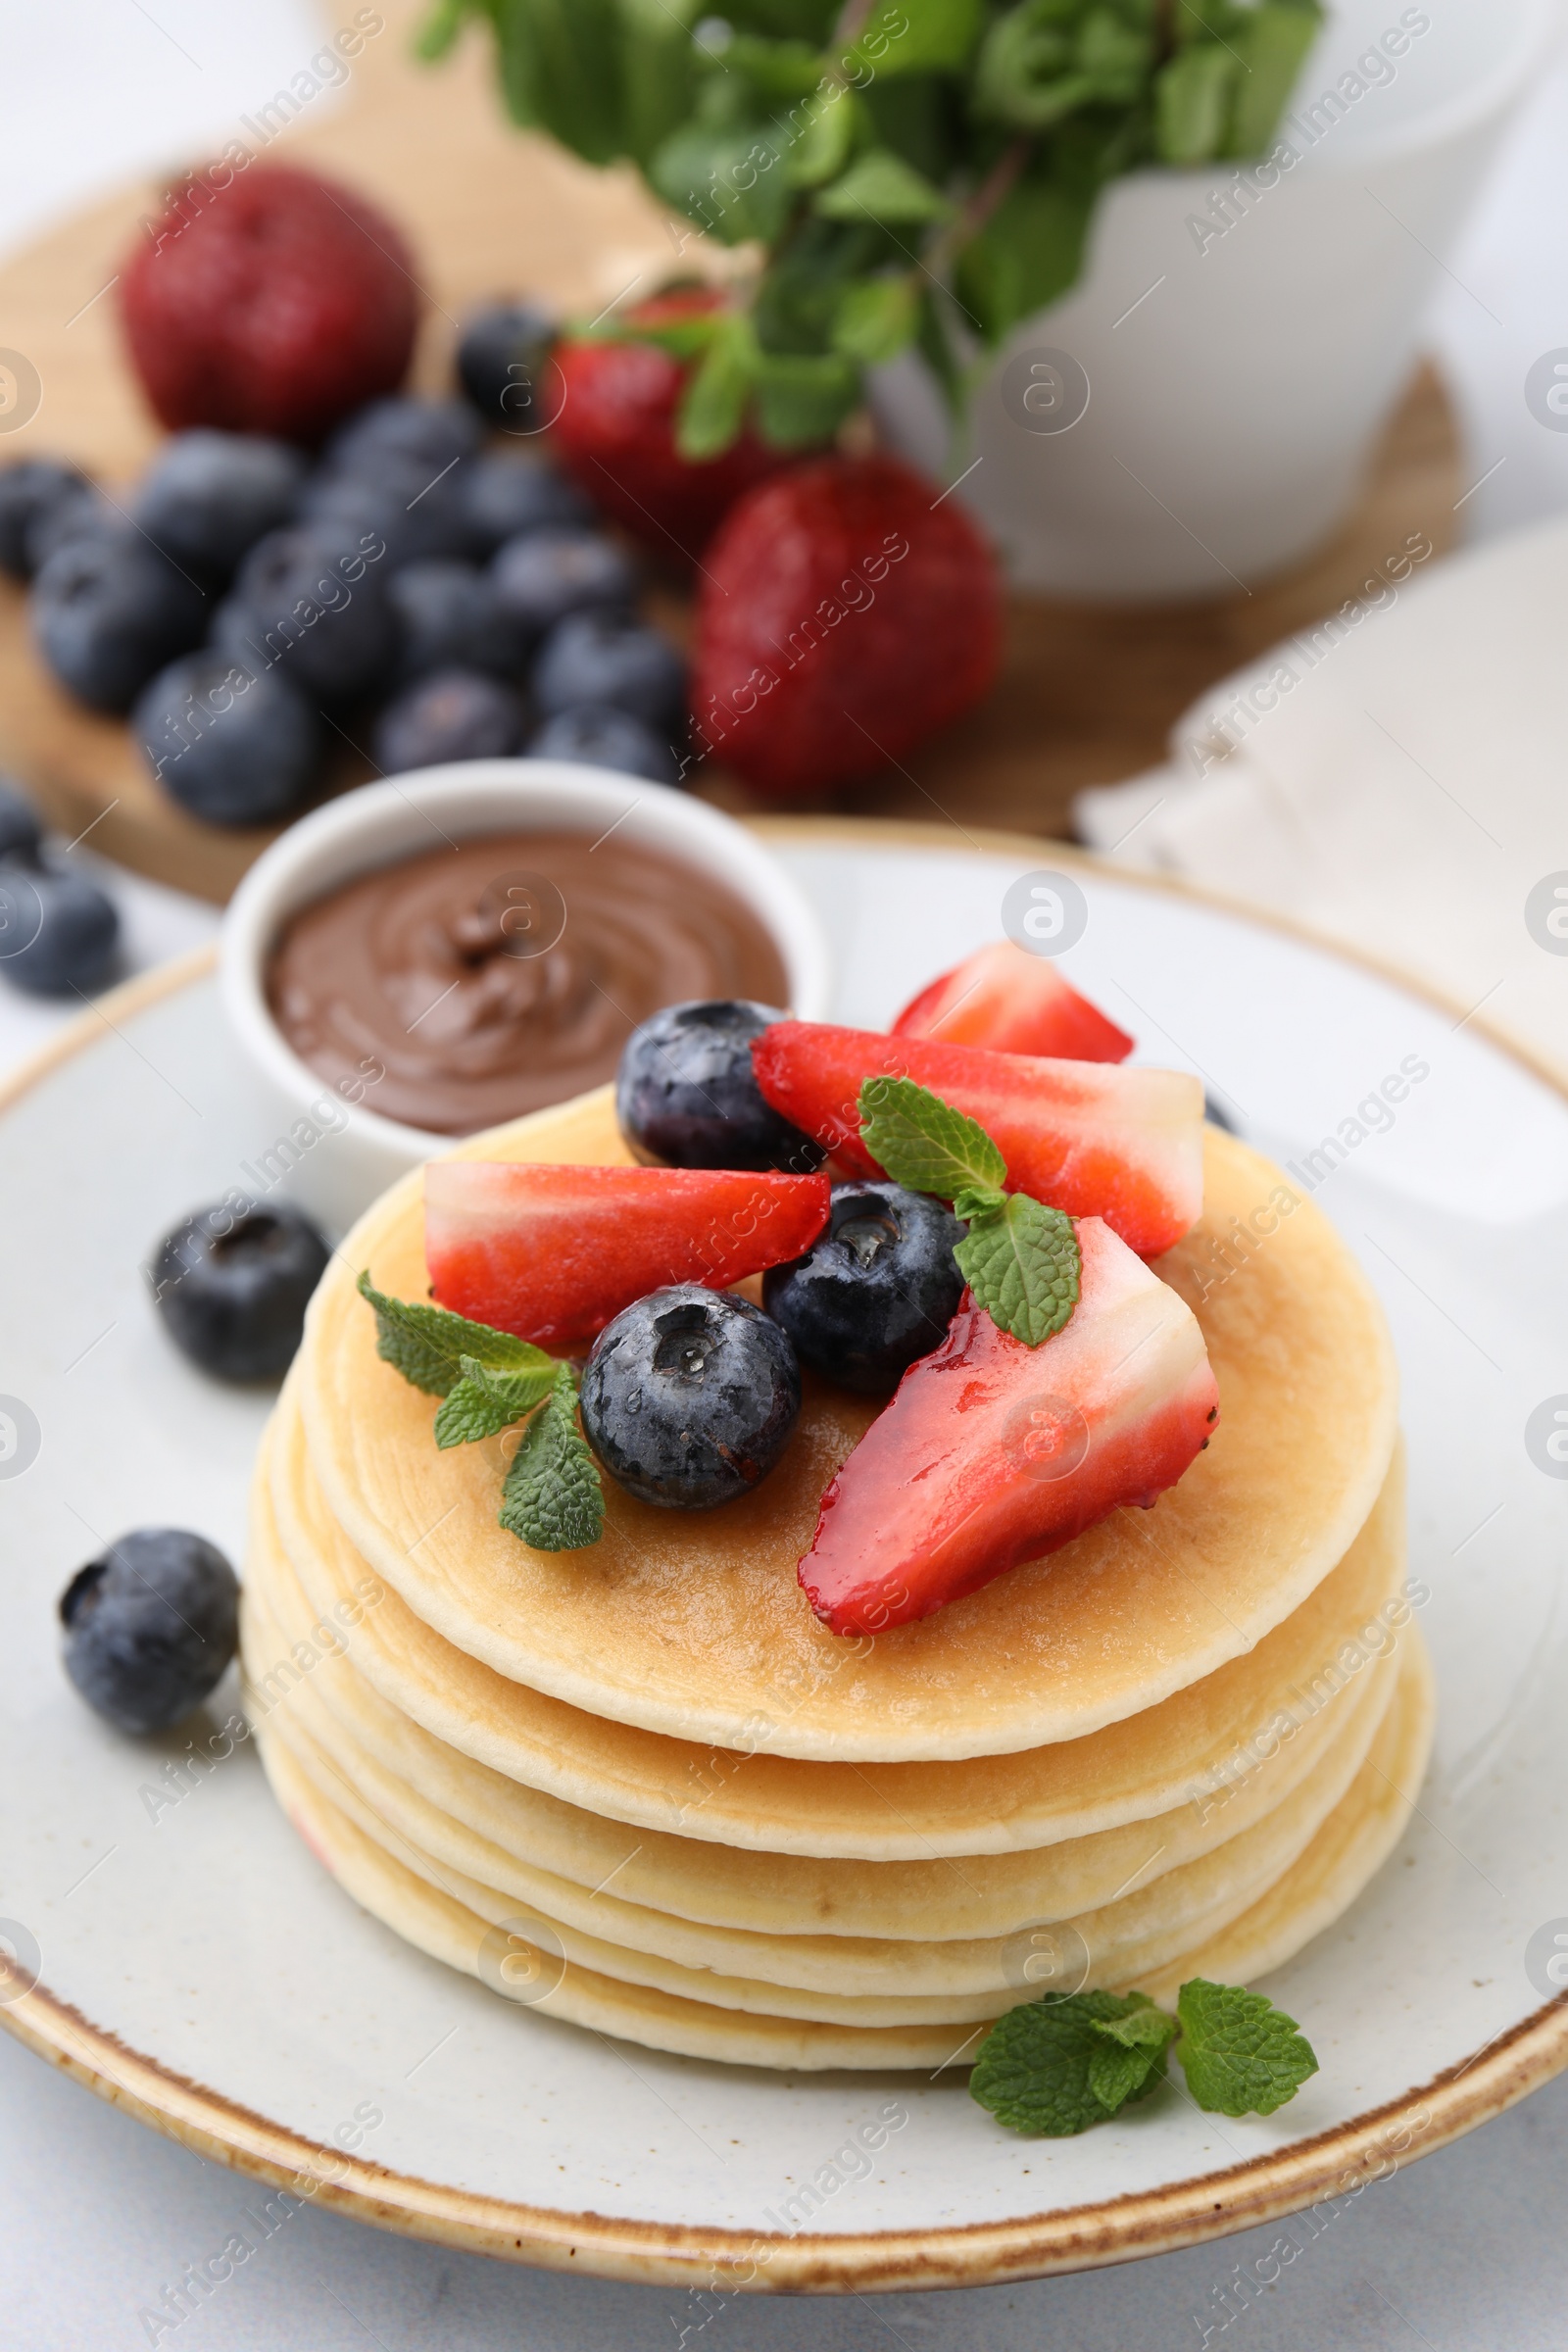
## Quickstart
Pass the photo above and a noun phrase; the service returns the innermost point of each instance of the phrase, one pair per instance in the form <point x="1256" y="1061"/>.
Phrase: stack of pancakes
<point x="641" y="1788"/>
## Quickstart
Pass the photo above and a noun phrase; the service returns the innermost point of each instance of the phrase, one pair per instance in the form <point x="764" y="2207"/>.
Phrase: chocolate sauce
<point x="505" y="974"/>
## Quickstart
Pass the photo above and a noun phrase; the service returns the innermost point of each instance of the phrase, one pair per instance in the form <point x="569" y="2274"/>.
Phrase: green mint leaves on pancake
<point x="427" y="1345"/>
<point x="553" y="1498"/>
<point x="486" y="1380"/>
<point x="928" y="1146"/>
<point x="485" y="1402"/>
<point x="1023" y="1264"/>
<point x="1240" y="2054"/>
<point x="1020" y="1259"/>
<point x="1053" y="2068"/>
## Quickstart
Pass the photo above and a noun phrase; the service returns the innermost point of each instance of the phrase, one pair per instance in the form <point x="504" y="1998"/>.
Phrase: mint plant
<point x="907" y="171"/>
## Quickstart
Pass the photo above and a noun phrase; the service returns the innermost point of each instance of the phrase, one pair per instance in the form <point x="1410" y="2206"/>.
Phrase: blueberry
<point x="59" y="932"/>
<point x="689" y="1397"/>
<point x="109" y="612"/>
<point x="210" y="496"/>
<point x="21" y="834"/>
<point x="687" y="1096"/>
<point x="875" y="1292"/>
<point x="230" y="747"/>
<point x="306" y="598"/>
<point x="79" y="513"/>
<point x="452" y="714"/>
<point x="609" y="657"/>
<point x="544" y="575"/>
<point x="407" y="435"/>
<point x="150" y="1627"/>
<point x="233" y="1291"/>
<point x="411" y="521"/>
<point x="594" y="736"/>
<point x="27" y="489"/>
<point x="502" y="356"/>
<point x="448" y="617"/>
<point x="503" y="497"/>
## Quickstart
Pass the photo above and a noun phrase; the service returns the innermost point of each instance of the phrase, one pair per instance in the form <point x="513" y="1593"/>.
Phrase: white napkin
<point x="1398" y="781"/>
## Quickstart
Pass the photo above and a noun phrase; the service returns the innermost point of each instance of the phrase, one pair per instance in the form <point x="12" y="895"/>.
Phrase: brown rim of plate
<point x="1336" y="2163"/>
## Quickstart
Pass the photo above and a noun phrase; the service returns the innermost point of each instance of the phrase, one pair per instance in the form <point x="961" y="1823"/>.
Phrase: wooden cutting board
<point x="1087" y="693"/>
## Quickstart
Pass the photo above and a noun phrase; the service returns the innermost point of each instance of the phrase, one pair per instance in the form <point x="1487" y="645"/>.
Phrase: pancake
<point x="836" y="1978"/>
<point x="1130" y="1771"/>
<point x="564" y="1850"/>
<point x="693" y="1625"/>
<point x="839" y="1981"/>
<point x="1319" y="1884"/>
<point x="1347" y="1853"/>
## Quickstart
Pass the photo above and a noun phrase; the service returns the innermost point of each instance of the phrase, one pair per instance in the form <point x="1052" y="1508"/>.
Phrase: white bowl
<point x="334" y="1156"/>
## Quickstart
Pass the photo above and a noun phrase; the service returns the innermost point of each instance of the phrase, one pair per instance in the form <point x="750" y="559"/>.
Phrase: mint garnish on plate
<point x="487" y="1379"/>
<point x="1020" y="1259"/>
<point x="1054" y="2068"/>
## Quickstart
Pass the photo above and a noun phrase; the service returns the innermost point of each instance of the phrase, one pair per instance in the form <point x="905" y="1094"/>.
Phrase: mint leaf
<point x="881" y="186"/>
<point x="935" y="38"/>
<point x="714" y="401"/>
<point x="1042" y="2067"/>
<point x="552" y="1498"/>
<point x="804" y="397"/>
<point x="876" y="317"/>
<point x="923" y="1144"/>
<point x="1022" y="1262"/>
<point x="1133" y="2062"/>
<point x="1240" y="2054"/>
<point x="483" y="1402"/>
<point x="727" y="176"/>
<point x="1029" y="251"/>
<point x="1193" y="103"/>
<point x="427" y="1345"/>
<point x="1140" y="2025"/>
<point x="828" y="124"/>
<point x="1118" y="2075"/>
<point x="1272" y="42"/>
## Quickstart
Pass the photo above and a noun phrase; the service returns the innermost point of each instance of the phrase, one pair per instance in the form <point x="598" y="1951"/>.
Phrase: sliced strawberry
<point x="1085" y="1137"/>
<point x="992" y="1452"/>
<point x="553" y="1254"/>
<point x="1014" y="1002"/>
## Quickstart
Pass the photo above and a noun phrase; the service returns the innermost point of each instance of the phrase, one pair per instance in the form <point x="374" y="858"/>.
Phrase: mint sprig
<point x="487" y="1380"/>
<point x="553" y="1498"/>
<point x="1020" y="1259"/>
<point x="1056" y="2068"/>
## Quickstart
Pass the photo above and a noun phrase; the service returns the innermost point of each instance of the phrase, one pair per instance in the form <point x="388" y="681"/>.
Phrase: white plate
<point x="196" y="1964"/>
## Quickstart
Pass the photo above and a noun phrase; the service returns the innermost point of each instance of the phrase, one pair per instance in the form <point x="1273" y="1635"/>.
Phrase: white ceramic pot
<point x="335" y="1156"/>
<point x="1244" y="333"/>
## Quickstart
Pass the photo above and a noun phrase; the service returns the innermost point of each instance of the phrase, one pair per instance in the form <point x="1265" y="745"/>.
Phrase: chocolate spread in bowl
<point x="505" y="974"/>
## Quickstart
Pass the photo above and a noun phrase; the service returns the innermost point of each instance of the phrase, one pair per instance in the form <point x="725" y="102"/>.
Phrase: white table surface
<point x="97" y="2215"/>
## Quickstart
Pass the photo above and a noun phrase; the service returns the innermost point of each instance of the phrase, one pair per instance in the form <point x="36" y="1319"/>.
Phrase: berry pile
<point x="316" y="559"/>
<point x="412" y="591"/>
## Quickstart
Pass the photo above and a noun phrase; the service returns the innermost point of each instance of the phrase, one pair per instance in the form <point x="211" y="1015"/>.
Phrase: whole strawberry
<point x="277" y="304"/>
<point x="844" y="615"/>
<point x="615" y="433"/>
